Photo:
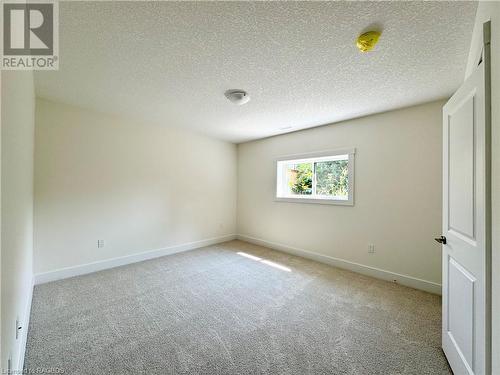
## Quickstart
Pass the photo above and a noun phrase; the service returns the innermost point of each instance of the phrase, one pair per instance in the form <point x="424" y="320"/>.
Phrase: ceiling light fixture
<point x="238" y="97"/>
<point x="367" y="41"/>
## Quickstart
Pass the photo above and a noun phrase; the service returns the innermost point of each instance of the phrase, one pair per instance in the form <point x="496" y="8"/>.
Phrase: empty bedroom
<point x="205" y="187"/>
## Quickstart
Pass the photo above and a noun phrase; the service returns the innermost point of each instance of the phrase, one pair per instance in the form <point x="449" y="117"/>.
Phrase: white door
<point x="466" y="227"/>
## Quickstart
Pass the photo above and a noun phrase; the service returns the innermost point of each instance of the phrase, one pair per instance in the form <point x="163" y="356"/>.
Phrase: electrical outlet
<point x="100" y="243"/>
<point x="371" y="248"/>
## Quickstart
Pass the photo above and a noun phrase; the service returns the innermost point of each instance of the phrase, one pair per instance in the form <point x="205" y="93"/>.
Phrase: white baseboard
<point x="378" y="273"/>
<point x="24" y="331"/>
<point x="83" y="269"/>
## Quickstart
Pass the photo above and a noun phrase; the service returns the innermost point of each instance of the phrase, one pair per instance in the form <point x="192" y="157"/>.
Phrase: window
<point x="326" y="177"/>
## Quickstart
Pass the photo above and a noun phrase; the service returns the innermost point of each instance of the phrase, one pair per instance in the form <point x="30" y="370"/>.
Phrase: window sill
<point x="337" y="202"/>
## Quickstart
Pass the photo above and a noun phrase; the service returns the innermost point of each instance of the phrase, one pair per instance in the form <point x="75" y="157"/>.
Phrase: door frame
<point x="488" y="190"/>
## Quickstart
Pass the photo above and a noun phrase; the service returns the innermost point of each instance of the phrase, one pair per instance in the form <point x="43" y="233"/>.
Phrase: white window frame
<point x="312" y="157"/>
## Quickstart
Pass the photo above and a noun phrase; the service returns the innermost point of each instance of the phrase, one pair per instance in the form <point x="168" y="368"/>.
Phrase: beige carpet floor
<point x="233" y="308"/>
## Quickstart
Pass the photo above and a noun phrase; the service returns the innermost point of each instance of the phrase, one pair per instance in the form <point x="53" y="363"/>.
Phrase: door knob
<point x="441" y="239"/>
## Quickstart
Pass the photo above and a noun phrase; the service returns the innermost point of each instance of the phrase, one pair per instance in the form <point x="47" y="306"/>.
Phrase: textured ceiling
<point x="171" y="62"/>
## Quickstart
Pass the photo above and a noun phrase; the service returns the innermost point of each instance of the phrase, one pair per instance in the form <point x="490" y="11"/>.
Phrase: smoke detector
<point x="238" y="97"/>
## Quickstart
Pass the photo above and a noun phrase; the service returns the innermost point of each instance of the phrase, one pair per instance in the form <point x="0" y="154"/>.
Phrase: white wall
<point x="491" y="11"/>
<point x="18" y="107"/>
<point x="397" y="193"/>
<point x="137" y="186"/>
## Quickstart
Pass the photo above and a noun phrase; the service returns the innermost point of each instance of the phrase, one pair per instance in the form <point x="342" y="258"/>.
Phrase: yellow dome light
<point x="366" y="41"/>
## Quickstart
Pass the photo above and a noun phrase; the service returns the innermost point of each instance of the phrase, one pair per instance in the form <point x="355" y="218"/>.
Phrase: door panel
<point x="460" y="302"/>
<point x="461" y="168"/>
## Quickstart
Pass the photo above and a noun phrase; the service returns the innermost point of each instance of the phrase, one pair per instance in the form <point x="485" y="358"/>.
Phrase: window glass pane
<point x="332" y="178"/>
<point x="315" y="179"/>
<point x="299" y="178"/>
